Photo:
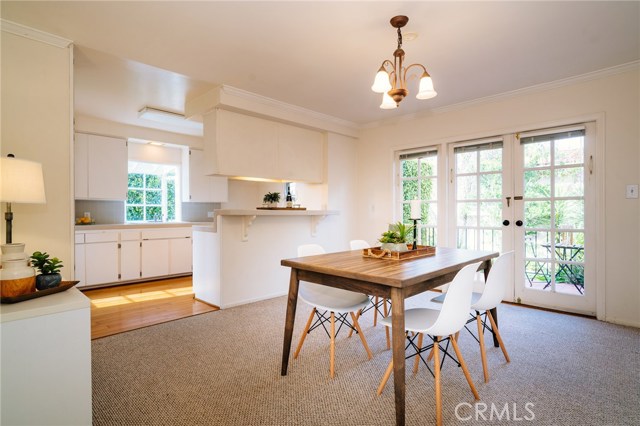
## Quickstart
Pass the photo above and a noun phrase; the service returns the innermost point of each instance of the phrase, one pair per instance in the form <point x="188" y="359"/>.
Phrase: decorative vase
<point x="17" y="278"/>
<point x="394" y="246"/>
<point x="273" y="204"/>
<point x="45" y="281"/>
<point x="13" y="251"/>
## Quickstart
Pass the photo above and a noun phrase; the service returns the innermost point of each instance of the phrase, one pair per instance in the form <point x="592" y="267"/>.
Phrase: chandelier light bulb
<point x="381" y="83"/>
<point x="425" y="89"/>
<point x="388" y="102"/>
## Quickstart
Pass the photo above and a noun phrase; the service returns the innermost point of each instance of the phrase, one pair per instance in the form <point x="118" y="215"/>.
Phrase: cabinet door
<point x="300" y="154"/>
<point x="101" y="263"/>
<point x="107" y="168"/>
<point x="200" y="187"/>
<point x="154" y="258"/>
<point x="246" y="146"/>
<point x="80" y="167"/>
<point x="180" y="256"/>
<point x="129" y="260"/>
<point x="79" y="267"/>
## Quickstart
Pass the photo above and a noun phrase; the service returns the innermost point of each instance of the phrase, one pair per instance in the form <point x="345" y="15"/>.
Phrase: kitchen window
<point x="152" y="193"/>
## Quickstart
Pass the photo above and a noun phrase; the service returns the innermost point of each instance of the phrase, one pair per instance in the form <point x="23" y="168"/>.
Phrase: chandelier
<point x="391" y="79"/>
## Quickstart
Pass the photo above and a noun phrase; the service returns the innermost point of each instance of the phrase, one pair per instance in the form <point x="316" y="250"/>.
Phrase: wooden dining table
<point x="389" y="278"/>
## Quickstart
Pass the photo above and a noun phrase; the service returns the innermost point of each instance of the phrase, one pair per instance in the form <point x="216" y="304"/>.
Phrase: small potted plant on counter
<point x="271" y="199"/>
<point x="49" y="269"/>
<point x="396" y="238"/>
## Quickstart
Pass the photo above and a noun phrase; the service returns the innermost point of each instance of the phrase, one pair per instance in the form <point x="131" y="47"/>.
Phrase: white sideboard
<point x="45" y="377"/>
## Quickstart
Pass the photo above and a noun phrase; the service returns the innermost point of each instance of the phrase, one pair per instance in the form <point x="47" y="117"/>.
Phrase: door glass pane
<point x="429" y="166"/>
<point x="429" y="213"/>
<point x="569" y="151"/>
<point x="569" y="214"/>
<point x="537" y="154"/>
<point x="410" y="168"/>
<point x="466" y="187"/>
<point x="429" y="189"/>
<point x="491" y="214"/>
<point x="467" y="214"/>
<point x="491" y="160"/>
<point x="537" y="214"/>
<point x="491" y="186"/>
<point x="569" y="182"/>
<point x="410" y="189"/>
<point x="466" y="162"/>
<point x="491" y="240"/>
<point x="466" y="238"/>
<point x="537" y="183"/>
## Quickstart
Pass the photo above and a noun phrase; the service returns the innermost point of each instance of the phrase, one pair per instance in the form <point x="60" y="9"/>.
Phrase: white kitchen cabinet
<point x="180" y="255"/>
<point x="197" y="186"/>
<point x="101" y="167"/>
<point x="101" y="262"/>
<point x="154" y="258"/>
<point x="80" y="262"/>
<point x="129" y="260"/>
<point x="245" y="146"/>
<point x="300" y="154"/>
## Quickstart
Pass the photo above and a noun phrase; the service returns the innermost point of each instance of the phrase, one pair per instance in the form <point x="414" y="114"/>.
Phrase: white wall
<point x="615" y="96"/>
<point x="36" y="125"/>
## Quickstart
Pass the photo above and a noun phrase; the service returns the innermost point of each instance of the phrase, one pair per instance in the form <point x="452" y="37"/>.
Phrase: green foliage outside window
<point x="151" y="199"/>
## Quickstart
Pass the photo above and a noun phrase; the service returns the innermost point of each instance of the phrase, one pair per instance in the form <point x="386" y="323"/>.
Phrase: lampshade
<point x="388" y="102"/>
<point x="425" y="89"/>
<point x="381" y="83"/>
<point x="22" y="181"/>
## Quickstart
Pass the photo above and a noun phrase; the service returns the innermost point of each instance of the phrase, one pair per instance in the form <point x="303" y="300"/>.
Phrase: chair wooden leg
<point x="416" y="364"/>
<point x="386" y="329"/>
<point x="304" y="334"/>
<point x="483" y="353"/>
<point x="385" y="378"/>
<point x="464" y="369"/>
<point x="332" y="348"/>
<point x="494" y="327"/>
<point x="430" y="357"/>
<point x="436" y="373"/>
<point x="375" y="311"/>
<point x="456" y="336"/>
<point x="361" y="334"/>
<point x="357" y="316"/>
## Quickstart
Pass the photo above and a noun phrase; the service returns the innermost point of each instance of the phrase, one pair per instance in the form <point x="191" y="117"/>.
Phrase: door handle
<point x="519" y="223"/>
<point x="505" y="222"/>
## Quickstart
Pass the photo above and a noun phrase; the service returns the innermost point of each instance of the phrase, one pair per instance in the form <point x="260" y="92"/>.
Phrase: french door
<point x="532" y="193"/>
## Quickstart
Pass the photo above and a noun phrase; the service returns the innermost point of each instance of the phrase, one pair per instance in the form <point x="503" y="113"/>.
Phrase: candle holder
<point x="415" y="234"/>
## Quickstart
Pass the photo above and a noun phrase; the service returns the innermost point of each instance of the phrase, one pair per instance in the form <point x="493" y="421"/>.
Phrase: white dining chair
<point x="441" y="326"/>
<point x="338" y="303"/>
<point x="380" y="305"/>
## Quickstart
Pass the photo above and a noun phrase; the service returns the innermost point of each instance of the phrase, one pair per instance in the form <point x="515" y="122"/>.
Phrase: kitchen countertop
<point x="146" y="225"/>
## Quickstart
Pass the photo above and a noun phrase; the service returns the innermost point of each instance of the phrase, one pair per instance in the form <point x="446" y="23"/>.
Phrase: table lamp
<point x="21" y="183"/>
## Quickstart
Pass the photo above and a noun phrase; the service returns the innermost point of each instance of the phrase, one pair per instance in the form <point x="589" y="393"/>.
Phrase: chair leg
<point x="357" y="316"/>
<point x="385" y="378"/>
<point x="436" y="373"/>
<point x="332" y="348"/>
<point x="304" y="333"/>
<point x="494" y="327"/>
<point x="386" y="329"/>
<point x="416" y="364"/>
<point x="483" y="353"/>
<point x="375" y="312"/>
<point x="430" y="357"/>
<point x="464" y="369"/>
<point x="361" y="334"/>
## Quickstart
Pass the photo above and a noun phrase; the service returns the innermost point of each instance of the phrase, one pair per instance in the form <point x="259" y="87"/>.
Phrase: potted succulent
<point x="49" y="269"/>
<point x="271" y="199"/>
<point x="396" y="238"/>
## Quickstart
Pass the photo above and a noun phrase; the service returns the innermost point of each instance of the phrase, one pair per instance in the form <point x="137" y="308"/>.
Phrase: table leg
<point x="292" y="302"/>
<point x="398" y="336"/>
<point x="494" y="311"/>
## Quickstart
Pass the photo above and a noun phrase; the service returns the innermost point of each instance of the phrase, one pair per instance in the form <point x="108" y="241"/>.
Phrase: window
<point x="419" y="181"/>
<point x="151" y="194"/>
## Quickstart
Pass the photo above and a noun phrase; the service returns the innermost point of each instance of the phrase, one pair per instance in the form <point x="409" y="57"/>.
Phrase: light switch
<point x="632" y="191"/>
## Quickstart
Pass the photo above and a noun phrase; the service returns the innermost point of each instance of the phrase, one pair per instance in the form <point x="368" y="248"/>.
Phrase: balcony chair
<point x="440" y="326"/>
<point x="335" y="301"/>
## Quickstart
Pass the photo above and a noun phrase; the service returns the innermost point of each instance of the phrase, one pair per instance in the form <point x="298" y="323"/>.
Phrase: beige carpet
<point x="223" y="368"/>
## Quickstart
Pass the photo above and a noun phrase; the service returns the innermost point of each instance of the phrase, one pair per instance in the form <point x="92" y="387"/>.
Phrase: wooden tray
<point x="281" y="208"/>
<point x="64" y="285"/>
<point x="378" y="253"/>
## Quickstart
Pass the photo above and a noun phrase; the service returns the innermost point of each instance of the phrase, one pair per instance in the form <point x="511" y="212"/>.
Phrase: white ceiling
<point x="323" y="55"/>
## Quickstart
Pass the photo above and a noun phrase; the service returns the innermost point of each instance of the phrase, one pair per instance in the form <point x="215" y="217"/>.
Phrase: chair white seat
<point x="332" y="299"/>
<point x="474" y="298"/>
<point x="416" y="320"/>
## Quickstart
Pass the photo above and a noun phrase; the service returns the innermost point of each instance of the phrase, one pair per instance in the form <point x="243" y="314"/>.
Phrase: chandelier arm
<point x="406" y="70"/>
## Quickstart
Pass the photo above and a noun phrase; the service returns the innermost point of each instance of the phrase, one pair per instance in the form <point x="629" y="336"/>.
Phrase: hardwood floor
<point x="127" y="307"/>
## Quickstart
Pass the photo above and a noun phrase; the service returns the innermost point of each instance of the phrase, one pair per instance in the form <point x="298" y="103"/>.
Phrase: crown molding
<point x="33" y="34"/>
<point x="618" y="69"/>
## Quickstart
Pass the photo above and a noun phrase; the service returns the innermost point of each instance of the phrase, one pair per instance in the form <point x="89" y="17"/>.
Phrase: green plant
<point x="44" y="264"/>
<point x="271" y="197"/>
<point x="400" y="233"/>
